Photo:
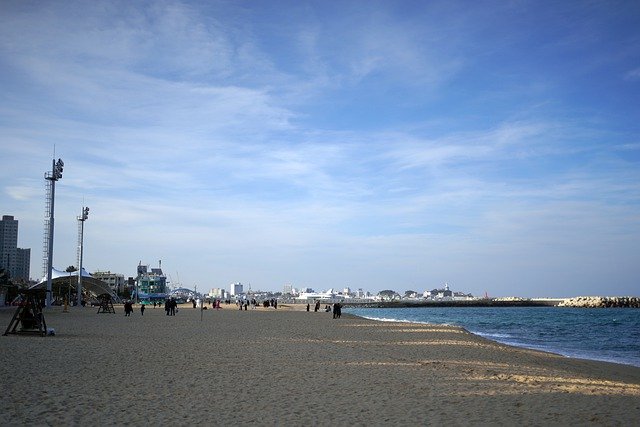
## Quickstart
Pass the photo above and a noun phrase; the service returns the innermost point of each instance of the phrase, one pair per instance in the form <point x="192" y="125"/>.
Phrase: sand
<point x="290" y="367"/>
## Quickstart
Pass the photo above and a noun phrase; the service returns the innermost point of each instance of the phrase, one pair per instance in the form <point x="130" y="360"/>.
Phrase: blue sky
<point x="377" y="145"/>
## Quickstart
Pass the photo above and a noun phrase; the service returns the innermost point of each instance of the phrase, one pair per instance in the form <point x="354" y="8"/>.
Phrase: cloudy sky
<point x="492" y="145"/>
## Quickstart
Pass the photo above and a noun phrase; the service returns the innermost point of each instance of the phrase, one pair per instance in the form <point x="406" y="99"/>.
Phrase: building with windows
<point x="217" y="293"/>
<point x="13" y="259"/>
<point x="235" y="289"/>
<point x="151" y="281"/>
<point x="115" y="281"/>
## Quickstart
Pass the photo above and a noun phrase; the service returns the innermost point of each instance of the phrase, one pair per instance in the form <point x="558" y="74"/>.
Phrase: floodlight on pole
<point x="52" y="177"/>
<point x="81" y="219"/>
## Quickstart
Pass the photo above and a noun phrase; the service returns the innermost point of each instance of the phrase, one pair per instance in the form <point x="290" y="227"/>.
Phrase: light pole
<point x="82" y="218"/>
<point x="52" y="177"/>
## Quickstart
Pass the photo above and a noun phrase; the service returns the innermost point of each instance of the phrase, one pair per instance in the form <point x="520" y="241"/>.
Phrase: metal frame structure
<point x="51" y="177"/>
<point x="81" y="219"/>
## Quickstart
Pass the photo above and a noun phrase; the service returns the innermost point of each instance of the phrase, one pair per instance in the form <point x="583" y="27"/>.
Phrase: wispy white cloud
<point x="195" y="138"/>
<point x="633" y="74"/>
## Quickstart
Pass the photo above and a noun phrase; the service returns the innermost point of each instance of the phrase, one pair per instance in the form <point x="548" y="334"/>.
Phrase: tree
<point x="71" y="269"/>
<point x="409" y="294"/>
<point x="388" y="294"/>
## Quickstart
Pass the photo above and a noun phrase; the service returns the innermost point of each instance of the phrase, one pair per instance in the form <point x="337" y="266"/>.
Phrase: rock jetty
<point x="600" y="302"/>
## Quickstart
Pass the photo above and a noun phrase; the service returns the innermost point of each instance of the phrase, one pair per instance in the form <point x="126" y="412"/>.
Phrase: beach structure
<point x="47" y="253"/>
<point x="106" y="305"/>
<point x="64" y="285"/>
<point x="28" y="316"/>
<point x="81" y="219"/>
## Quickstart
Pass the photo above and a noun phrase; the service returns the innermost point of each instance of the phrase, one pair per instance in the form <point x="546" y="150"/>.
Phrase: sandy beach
<point x="292" y="367"/>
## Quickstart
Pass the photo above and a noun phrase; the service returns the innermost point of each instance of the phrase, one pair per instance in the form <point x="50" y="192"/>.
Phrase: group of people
<point x="337" y="309"/>
<point x="171" y="306"/>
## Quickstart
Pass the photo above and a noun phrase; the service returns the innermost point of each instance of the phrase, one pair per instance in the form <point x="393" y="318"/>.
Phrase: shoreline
<point x="496" y="341"/>
<point x="288" y="366"/>
<point x="515" y="339"/>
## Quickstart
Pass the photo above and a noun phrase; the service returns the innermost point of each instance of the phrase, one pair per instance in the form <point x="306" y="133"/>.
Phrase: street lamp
<point x="52" y="177"/>
<point x="82" y="218"/>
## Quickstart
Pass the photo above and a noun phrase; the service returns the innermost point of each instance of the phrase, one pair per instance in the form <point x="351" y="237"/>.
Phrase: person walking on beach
<point x="128" y="308"/>
<point x="142" y="309"/>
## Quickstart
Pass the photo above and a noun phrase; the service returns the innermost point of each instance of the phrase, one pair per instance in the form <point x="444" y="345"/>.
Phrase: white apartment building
<point x="235" y="289"/>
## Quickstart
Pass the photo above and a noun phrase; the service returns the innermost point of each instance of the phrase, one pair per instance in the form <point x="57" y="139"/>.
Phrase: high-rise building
<point x="235" y="289"/>
<point x="13" y="259"/>
<point x="23" y="261"/>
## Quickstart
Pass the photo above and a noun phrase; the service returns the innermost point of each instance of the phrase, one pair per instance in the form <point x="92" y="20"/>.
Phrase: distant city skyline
<point x="494" y="146"/>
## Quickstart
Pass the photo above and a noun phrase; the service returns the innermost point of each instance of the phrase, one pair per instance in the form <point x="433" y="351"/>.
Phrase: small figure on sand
<point x="337" y="310"/>
<point x="128" y="308"/>
<point x="142" y="306"/>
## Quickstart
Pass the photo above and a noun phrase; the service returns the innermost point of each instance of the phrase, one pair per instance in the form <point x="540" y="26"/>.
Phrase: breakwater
<point x="465" y="303"/>
<point x="586" y="302"/>
<point x="601" y="302"/>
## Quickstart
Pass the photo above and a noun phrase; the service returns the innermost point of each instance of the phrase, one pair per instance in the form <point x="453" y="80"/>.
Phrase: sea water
<point x="605" y="334"/>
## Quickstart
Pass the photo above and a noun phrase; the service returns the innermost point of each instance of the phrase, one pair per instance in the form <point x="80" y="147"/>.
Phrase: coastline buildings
<point x="115" y="281"/>
<point x="151" y="281"/>
<point x="218" y="293"/>
<point x="446" y="294"/>
<point x="12" y="258"/>
<point x="235" y="289"/>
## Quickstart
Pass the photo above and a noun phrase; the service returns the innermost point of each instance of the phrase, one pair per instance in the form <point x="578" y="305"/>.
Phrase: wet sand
<point x="291" y="367"/>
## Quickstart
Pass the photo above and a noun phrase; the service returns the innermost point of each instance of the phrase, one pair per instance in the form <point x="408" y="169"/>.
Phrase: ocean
<point x="605" y="334"/>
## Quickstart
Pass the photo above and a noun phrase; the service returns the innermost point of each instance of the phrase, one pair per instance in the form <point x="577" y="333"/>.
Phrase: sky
<point x="490" y="145"/>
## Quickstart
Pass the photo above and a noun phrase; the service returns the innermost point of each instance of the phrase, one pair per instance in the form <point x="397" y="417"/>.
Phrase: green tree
<point x="388" y="294"/>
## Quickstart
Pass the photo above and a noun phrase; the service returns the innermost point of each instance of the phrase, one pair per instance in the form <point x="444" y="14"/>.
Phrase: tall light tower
<point x="81" y="219"/>
<point x="51" y="177"/>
